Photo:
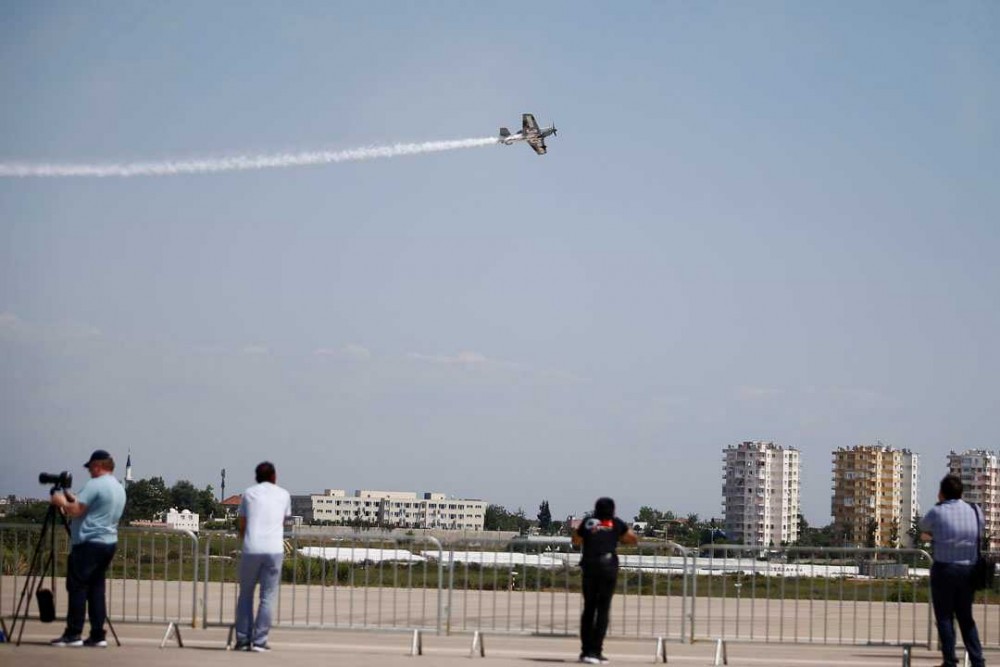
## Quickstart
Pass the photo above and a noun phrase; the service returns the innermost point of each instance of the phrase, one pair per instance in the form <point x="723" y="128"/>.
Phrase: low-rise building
<point x="398" y="509"/>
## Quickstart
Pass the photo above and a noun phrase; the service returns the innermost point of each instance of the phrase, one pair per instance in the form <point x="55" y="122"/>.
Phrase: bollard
<point x="417" y="644"/>
<point x="721" y="658"/>
<point x="477" y="641"/>
<point x="661" y="650"/>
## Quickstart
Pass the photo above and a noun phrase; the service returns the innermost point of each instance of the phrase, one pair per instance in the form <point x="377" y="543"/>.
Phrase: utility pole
<point x="222" y="491"/>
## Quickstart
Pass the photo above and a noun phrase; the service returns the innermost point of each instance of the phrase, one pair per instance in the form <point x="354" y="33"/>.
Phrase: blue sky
<point x="759" y="220"/>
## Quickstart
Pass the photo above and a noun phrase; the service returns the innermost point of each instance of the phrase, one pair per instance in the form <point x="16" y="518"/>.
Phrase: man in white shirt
<point x="261" y="522"/>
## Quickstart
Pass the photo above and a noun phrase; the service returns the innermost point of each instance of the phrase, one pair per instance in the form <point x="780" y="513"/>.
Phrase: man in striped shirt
<point x="955" y="526"/>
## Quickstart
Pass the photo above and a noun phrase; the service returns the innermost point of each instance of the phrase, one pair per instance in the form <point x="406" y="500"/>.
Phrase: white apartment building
<point x="875" y="494"/>
<point x="760" y="493"/>
<point x="399" y="509"/>
<point x="980" y="473"/>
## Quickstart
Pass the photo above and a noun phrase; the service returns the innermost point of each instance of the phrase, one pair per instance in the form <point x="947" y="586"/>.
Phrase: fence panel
<point x="812" y="595"/>
<point x="150" y="579"/>
<point x="356" y="581"/>
<point x="535" y="588"/>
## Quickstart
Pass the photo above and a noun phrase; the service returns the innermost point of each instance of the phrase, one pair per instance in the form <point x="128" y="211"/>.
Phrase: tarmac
<point x="141" y="645"/>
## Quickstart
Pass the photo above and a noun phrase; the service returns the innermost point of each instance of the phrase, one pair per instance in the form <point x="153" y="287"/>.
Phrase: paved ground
<point x="302" y="648"/>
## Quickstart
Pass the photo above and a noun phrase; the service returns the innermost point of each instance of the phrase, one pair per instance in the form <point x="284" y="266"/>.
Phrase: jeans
<point x="598" y="589"/>
<point x="263" y="569"/>
<point x="85" y="571"/>
<point x="951" y="588"/>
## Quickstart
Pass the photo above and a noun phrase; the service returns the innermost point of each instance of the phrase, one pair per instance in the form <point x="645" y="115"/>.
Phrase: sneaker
<point x="67" y="641"/>
<point x="241" y="646"/>
<point x="602" y="659"/>
<point x="590" y="659"/>
<point x="260" y="648"/>
<point x="95" y="643"/>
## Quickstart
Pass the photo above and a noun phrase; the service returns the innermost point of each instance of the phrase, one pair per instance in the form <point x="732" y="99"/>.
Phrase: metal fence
<point x="353" y="581"/>
<point x="389" y="582"/>
<point x="813" y="595"/>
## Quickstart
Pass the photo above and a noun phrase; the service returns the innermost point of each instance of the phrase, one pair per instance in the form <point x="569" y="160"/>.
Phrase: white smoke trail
<point x="235" y="163"/>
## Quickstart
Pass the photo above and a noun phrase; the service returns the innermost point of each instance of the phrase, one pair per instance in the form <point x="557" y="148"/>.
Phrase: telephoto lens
<point x="62" y="480"/>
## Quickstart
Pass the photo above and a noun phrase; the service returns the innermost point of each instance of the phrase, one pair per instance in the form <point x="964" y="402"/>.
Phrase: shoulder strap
<point x="979" y="532"/>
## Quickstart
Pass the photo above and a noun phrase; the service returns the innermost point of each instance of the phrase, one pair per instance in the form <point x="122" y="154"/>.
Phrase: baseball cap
<point x="98" y="455"/>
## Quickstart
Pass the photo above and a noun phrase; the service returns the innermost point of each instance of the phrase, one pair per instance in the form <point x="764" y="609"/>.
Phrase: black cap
<point x="98" y="455"/>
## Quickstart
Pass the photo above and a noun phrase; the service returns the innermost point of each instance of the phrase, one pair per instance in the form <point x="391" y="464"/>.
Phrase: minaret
<point x="128" y="467"/>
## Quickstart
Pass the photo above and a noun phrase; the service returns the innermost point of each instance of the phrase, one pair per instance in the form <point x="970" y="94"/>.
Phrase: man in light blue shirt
<point x="955" y="527"/>
<point x="95" y="512"/>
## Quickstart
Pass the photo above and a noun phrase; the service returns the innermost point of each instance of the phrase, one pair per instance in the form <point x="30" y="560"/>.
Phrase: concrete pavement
<point x="302" y="648"/>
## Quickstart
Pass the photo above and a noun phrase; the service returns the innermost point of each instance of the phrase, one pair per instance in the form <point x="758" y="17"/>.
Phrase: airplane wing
<point x="538" y="145"/>
<point x="528" y="123"/>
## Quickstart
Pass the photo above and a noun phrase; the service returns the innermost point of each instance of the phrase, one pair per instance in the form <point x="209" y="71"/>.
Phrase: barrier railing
<point x="535" y="588"/>
<point x="150" y="579"/>
<point x="387" y="582"/>
<point x="354" y="581"/>
<point x="813" y="595"/>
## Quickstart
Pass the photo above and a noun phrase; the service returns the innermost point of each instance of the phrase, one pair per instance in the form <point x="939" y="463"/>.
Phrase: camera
<point x="62" y="480"/>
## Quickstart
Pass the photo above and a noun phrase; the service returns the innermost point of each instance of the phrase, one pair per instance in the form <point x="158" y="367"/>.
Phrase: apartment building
<point x="760" y="493"/>
<point x="980" y="473"/>
<point x="399" y="509"/>
<point x="875" y="494"/>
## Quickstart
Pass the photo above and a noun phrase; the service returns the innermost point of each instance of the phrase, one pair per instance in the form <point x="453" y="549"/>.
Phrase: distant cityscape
<point x="873" y="502"/>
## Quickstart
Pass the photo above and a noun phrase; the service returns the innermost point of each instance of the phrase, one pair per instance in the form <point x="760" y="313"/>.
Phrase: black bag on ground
<point x="985" y="568"/>
<point x="46" y="605"/>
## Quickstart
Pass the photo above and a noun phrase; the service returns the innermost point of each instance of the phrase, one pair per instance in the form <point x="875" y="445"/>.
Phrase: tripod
<point x="43" y="564"/>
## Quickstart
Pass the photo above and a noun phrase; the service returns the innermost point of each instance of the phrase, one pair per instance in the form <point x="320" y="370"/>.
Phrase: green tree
<point x="30" y="512"/>
<point x="498" y="517"/>
<point x="894" y="533"/>
<point x="649" y="515"/>
<point x="544" y="517"/>
<point x="146" y="499"/>
<point x="206" y="505"/>
<point x="871" y="530"/>
<point x="184" y="496"/>
<point x="914" y="530"/>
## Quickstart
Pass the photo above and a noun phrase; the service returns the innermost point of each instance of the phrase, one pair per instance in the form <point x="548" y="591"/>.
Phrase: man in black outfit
<point x="599" y="534"/>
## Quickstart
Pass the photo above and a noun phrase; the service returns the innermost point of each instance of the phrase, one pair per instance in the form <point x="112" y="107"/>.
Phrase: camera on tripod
<point x="59" y="481"/>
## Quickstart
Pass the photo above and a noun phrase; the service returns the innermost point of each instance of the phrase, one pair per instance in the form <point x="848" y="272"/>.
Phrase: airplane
<point x="529" y="132"/>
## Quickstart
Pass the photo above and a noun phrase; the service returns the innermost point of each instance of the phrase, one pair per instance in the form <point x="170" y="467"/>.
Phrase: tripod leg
<point x="114" y="633"/>
<point x="35" y="576"/>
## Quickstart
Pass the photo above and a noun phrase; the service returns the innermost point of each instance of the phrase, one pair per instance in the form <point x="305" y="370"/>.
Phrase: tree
<point x="914" y="530"/>
<point x="183" y="495"/>
<point x="30" y="512"/>
<point x="649" y="516"/>
<point x="871" y="531"/>
<point x="497" y="517"/>
<point x="894" y="533"/>
<point x="544" y="517"/>
<point x="146" y="499"/>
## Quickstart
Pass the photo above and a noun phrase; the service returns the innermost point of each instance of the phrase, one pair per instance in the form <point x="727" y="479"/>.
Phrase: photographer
<point x="95" y="512"/>
<point x="599" y="535"/>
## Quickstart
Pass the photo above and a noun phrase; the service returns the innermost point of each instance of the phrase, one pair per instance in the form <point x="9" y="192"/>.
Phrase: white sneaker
<point x="590" y="660"/>
<point x="66" y="641"/>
